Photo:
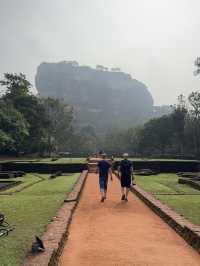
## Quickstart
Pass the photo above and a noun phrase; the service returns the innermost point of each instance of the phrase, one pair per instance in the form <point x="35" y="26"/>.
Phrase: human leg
<point x="123" y="193"/>
<point x="122" y="188"/>
<point x="126" y="195"/>
<point x="128" y="185"/>
<point x="103" y="187"/>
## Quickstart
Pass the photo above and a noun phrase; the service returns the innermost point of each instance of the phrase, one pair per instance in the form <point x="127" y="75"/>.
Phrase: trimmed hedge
<point x="189" y="182"/>
<point x="44" y="167"/>
<point x="4" y="185"/>
<point x="162" y="166"/>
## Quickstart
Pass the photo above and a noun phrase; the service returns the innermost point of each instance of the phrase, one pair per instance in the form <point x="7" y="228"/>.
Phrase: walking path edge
<point x="57" y="231"/>
<point x="188" y="231"/>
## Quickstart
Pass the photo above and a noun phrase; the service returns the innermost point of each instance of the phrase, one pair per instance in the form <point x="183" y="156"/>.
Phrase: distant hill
<point x="100" y="97"/>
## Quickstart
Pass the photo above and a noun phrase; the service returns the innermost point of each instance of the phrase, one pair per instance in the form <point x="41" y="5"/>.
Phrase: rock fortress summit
<point x="100" y="97"/>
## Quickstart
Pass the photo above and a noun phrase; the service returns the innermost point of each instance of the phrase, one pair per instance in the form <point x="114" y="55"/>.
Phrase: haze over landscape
<point x="99" y="98"/>
<point x="155" y="41"/>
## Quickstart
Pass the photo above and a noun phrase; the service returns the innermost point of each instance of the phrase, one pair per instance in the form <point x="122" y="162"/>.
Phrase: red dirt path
<point x="121" y="234"/>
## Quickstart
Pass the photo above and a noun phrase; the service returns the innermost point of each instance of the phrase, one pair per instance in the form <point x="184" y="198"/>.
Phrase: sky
<point x="156" y="41"/>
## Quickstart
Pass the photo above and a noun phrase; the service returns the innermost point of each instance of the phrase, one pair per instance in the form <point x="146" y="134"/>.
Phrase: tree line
<point x="33" y="125"/>
<point x="176" y="134"/>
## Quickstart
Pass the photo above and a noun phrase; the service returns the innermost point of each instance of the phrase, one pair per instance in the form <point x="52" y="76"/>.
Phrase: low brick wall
<point x="183" y="227"/>
<point x="57" y="231"/>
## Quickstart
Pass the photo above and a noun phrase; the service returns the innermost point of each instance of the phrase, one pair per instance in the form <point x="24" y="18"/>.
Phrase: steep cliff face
<point x="101" y="98"/>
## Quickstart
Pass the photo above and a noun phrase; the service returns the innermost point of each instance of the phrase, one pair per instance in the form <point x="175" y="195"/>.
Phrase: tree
<point x="14" y="129"/>
<point x="194" y="100"/>
<point x="33" y="110"/>
<point x="16" y="85"/>
<point x="156" y="135"/>
<point x="30" y="108"/>
<point x="178" y="118"/>
<point x="59" y="127"/>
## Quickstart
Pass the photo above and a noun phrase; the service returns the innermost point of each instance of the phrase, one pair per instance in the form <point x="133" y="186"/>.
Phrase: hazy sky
<point x="156" y="41"/>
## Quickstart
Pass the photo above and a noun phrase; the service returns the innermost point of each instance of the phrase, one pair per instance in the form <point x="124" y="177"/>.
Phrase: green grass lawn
<point x="30" y="211"/>
<point x="82" y="160"/>
<point x="155" y="159"/>
<point x="27" y="180"/>
<point x="64" y="160"/>
<point x="180" y="197"/>
<point x="49" y="160"/>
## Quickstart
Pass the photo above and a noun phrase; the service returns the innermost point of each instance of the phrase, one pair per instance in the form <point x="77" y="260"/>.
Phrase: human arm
<point x="132" y="176"/>
<point x="118" y="171"/>
<point x="110" y="173"/>
<point x="97" y="168"/>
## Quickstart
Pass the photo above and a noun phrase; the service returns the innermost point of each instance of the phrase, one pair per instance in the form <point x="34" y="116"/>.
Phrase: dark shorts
<point x="126" y="181"/>
<point x="103" y="182"/>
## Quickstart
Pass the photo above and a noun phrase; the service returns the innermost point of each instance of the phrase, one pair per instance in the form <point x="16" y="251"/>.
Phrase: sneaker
<point x="126" y="199"/>
<point x="123" y="197"/>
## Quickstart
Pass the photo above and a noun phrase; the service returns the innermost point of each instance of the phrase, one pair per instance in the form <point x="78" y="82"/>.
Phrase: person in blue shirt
<point x="125" y="171"/>
<point x="104" y="169"/>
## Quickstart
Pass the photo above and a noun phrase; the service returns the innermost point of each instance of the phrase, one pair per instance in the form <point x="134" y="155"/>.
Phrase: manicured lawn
<point x="64" y="160"/>
<point x="165" y="187"/>
<point x="27" y="180"/>
<point x="49" y="160"/>
<point x="30" y="211"/>
<point x="186" y="205"/>
<point x="46" y="160"/>
<point x="158" y="160"/>
<point x="83" y="160"/>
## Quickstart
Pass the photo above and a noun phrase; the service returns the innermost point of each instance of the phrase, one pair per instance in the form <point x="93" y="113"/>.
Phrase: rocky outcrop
<point x="101" y="97"/>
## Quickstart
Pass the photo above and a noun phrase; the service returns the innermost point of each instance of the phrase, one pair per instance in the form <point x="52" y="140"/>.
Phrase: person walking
<point x="125" y="171"/>
<point x="104" y="169"/>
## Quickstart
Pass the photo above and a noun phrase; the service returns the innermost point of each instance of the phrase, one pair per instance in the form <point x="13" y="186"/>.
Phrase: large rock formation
<point x="100" y="97"/>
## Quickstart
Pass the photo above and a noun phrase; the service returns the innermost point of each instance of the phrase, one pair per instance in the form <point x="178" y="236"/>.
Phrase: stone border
<point x="57" y="231"/>
<point x="188" y="231"/>
<point x="189" y="181"/>
<point x="9" y="184"/>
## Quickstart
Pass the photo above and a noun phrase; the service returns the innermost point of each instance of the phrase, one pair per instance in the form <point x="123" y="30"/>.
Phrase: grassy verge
<point x="182" y="198"/>
<point x="30" y="211"/>
<point x="63" y="160"/>
<point x="27" y="181"/>
<point x="157" y="159"/>
<point x="46" y="160"/>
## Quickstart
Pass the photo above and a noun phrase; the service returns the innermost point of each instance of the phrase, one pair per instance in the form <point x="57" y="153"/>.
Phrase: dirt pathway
<point x="121" y="234"/>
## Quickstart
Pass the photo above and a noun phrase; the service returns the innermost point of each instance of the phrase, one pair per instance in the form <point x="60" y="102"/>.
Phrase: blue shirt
<point x="104" y="167"/>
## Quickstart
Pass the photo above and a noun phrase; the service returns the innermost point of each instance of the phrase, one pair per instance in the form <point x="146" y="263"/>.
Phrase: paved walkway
<point x="121" y="234"/>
